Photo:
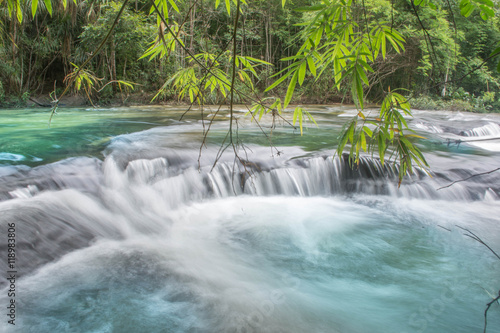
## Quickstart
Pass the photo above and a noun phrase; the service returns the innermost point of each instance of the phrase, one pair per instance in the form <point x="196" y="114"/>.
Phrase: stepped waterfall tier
<point x="123" y="224"/>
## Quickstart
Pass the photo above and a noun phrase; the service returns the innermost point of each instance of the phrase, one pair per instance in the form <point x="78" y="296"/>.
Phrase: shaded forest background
<point x="37" y="54"/>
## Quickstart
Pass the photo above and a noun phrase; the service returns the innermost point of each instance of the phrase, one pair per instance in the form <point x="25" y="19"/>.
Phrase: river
<point x="124" y="223"/>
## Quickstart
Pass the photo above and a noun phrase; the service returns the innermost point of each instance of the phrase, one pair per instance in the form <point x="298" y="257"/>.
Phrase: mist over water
<point x="140" y="234"/>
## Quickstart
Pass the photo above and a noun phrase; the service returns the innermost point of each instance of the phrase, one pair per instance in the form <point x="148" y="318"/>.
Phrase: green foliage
<point x="124" y="47"/>
<point x="459" y="100"/>
<point x="341" y="45"/>
<point x="387" y="132"/>
<point x="208" y="76"/>
<point x="163" y="45"/>
<point x="267" y="53"/>
<point x="82" y="78"/>
<point x="301" y="115"/>
<point x="334" y="41"/>
<point x="485" y="8"/>
<point x="258" y="110"/>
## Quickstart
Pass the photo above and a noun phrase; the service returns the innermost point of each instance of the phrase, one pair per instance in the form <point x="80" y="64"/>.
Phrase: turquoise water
<point x="27" y="138"/>
<point x="123" y="227"/>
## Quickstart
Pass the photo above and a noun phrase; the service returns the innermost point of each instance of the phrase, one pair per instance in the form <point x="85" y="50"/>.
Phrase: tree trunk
<point x="113" y="63"/>
<point x="191" y="27"/>
<point x="443" y="92"/>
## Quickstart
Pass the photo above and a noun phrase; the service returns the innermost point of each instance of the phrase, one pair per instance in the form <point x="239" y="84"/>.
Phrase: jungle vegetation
<point x="42" y="42"/>
<point x="265" y="54"/>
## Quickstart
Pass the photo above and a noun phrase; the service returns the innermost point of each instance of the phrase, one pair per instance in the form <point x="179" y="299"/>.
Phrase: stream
<point x="125" y="223"/>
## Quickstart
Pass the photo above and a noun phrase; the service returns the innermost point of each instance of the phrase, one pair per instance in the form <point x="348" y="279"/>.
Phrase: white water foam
<point x="271" y="264"/>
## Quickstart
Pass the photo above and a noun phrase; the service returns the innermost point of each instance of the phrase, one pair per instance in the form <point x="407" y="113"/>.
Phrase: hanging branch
<point x="496" y="299"/>
<point x="454" y="25"/>
<point x="462" y="180"/>
<point x="234" y="73"/>
<point x="471" y="71"/>
<point x="476" y="238"/>
<point x="208" y="69"/>
<point x="97" y="51"/>
<point x="427" y="38"/>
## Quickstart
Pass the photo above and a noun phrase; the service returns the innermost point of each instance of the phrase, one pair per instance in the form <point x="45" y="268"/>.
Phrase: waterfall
<point x="153" y="237"/>
<point x="490" y="129"/>
<point x="313" y="176"/>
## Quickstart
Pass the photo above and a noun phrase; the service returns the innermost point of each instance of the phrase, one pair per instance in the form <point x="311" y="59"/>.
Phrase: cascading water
<point x="154" y="238"/>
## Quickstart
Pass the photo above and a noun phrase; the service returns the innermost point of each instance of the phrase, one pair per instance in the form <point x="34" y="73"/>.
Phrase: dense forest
<point x="41" y="47"/>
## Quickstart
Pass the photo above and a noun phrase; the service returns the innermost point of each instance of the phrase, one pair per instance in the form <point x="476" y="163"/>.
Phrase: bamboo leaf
<point x="319" y="34"/>
<point x="302" y="72"/>
<point x="363" y="141"/>
<point x="312" y="66"/>
<point x="415" y="136"/>
<point x="34" y="7"/>
<point x="345" y="136"/>
<point x="365" y="65"/>
<point x="261" y="112"/>
<point x="191" y="95"/>
<point x="350" y="132"/>
<point x="357" y="87"/>
<point x="383" y="45"/>
<point x="19" y="11"/>
<point x="277" y="82"/>
<point x="257" y="60"/>
<point x="362" y="75"/>
<point x="381" y="147"/>
<point x="311" y="118"/>
<point x="174" y="6"/>
<point x="368" y="131"/>
<point x="126" y="83"/>
<point x="393" y="43"/>
<point x="291" y="89"/>
<point x="10" y="7"/>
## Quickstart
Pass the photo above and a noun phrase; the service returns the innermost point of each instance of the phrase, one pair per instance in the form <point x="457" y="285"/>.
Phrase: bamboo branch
<point x="462" y="180"/>
<point x="476" y="238"/>
<point x="80" y="68"/>
<point x="496" y="299"/>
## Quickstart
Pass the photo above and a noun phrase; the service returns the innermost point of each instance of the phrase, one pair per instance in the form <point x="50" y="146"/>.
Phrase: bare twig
<point x="233" y="74"/>
<point x="474" y="175"/>
<point x="233" y="88"/>
<point x="444" y="227"/>
<point x="496" y="299"/>
<point x="97" y="51"/>
<point x="427" y="38"/>
<point x="476" y="238"/>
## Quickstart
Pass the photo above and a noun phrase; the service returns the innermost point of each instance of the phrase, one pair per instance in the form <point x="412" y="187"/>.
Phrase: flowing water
<point x="122" y="226"/>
